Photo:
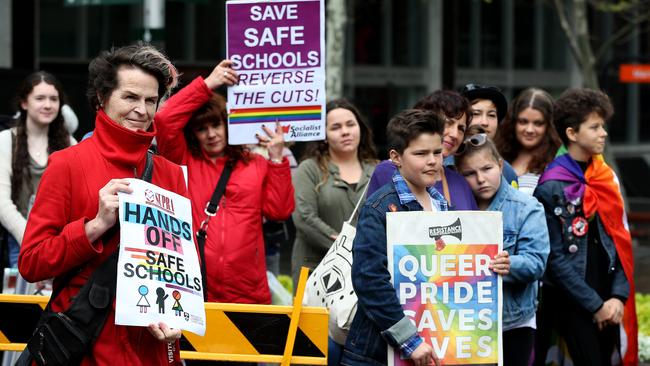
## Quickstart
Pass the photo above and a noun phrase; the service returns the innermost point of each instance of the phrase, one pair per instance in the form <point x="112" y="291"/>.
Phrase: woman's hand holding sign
<point x="273" y="141"/>
<point x="107" y="211"/>
<point x="164" y="333"/>
<point x="223" y="74"/>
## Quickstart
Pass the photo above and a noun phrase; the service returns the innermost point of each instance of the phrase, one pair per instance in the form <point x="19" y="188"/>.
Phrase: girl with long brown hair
<point x="329" y="182"/>
<point x="39" y="131"/>
<point x="527" y="138"/>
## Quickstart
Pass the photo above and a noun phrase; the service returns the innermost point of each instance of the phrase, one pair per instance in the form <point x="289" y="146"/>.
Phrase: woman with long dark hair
<point x="527" y="138"/>
<point x="39" y="131"/>
<point x="329" y="182"/>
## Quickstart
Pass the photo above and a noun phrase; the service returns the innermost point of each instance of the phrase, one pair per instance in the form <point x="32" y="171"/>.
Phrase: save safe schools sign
<point x="277" y="48"/>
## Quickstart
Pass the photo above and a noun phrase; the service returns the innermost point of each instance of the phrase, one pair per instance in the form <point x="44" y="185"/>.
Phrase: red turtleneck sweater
<point x="55" y="241"/>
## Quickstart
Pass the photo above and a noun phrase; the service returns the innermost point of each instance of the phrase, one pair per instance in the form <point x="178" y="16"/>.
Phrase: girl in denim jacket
<point x="525" y="238"/>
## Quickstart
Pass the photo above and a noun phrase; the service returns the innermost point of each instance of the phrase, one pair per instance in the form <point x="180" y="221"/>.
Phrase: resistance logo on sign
<point x="442" y="279"/>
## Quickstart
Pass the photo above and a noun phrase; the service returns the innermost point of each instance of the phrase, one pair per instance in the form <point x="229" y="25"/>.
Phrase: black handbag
<point x="211" y="210"/>
<point x="64" y="338"/>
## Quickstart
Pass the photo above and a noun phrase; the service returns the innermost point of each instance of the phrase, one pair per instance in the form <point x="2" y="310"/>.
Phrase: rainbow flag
<point x="271" y="114"/>
<point x="599" y="189"/>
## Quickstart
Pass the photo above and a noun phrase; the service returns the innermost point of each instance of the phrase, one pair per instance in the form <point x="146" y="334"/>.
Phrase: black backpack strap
<point x="211" y="210"/>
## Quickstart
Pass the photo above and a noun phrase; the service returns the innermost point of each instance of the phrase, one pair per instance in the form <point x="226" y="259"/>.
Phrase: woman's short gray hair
<point x="102" y="71"/>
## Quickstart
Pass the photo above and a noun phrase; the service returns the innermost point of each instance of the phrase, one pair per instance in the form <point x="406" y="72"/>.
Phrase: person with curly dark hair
<point x="527" y="138"/>
<point x="587" y="295"/>
<point x="73" y="226"/>
<point x="39" y="131"/>
<point x="192" y="131"/>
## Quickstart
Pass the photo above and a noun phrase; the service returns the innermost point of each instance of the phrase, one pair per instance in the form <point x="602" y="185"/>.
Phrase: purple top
<point x="461" y="195"/>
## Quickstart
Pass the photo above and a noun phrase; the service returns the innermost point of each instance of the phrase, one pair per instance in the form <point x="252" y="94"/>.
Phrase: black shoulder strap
<point x="213" y="205"/>
<point x="147" y="173"/>
<point x="211" y="210"/>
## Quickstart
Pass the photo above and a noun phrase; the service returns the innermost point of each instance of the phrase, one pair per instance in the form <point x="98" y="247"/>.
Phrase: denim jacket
<point x="380" y="318"/>
<point x="525" y="238"/>
<point x="567" y="263"/>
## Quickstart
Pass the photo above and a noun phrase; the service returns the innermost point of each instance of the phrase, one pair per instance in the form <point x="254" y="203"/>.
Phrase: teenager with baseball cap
<point x="489" y="107"/>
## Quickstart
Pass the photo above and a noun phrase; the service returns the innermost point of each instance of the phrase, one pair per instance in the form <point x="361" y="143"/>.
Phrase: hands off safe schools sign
<point x="439" y="267"/>
<point x="158" y="273"/>
<point x="277" y="48"/>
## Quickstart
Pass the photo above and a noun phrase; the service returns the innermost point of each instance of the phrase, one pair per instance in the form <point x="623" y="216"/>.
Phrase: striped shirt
<point x="528" y="182"/>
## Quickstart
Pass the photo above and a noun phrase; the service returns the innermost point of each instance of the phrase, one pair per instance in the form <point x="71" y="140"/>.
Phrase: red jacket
<point x="234" y="251"/>
<point x="55" y="240"/>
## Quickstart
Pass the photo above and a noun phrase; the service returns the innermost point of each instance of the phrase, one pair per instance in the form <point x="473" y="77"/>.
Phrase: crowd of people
<point x="566" y="261"/>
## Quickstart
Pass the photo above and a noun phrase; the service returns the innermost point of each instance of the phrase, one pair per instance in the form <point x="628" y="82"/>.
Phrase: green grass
<point x="643" y="316"/>
<point x="643" y="312"/>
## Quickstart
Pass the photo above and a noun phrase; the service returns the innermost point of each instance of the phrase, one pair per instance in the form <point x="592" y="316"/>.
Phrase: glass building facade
<point x="396" y="51"/>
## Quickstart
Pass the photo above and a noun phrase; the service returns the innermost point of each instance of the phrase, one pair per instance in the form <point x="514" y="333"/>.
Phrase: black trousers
<point x="587" y="345"/>
<point x="517" y="346"/>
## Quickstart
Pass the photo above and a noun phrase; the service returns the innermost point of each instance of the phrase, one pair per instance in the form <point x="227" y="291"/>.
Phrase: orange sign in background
<point x="634" y="73"/>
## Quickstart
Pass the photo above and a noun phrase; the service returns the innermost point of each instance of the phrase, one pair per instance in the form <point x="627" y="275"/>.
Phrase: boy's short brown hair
<point x="409" y="124"/>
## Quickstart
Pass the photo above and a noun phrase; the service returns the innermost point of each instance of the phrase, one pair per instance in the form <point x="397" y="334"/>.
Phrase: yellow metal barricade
<point x="234" y="332"/>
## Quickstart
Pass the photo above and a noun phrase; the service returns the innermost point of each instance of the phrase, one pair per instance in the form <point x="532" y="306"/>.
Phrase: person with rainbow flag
<point x="587" y="296"/>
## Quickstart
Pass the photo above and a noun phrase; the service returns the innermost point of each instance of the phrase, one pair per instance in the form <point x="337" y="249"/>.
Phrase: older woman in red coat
<point x="192" y="131"/>
<point x="72" y="226"/>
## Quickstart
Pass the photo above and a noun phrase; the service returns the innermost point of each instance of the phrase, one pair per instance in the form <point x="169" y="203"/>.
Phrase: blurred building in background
<point x="395" y="52"/>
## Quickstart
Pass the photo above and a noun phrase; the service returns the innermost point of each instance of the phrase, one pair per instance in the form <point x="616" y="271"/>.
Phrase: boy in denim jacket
<point x="588" y="278"/>
<point x="415" y="147"/>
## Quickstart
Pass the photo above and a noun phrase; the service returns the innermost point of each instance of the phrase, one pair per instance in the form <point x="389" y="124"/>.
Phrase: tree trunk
<point x="575" y="25"/>
<point x="335" y="42"/>
<point x="588" y="59"/>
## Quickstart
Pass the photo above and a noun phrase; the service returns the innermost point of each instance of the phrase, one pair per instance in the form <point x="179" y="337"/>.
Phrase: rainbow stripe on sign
<point x="270" y="114"/>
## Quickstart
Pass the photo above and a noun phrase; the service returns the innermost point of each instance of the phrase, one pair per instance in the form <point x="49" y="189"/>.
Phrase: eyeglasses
<point x="475" y="140"/>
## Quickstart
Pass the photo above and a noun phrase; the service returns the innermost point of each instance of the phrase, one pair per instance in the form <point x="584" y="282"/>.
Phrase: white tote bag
<point x="330" y="284"/>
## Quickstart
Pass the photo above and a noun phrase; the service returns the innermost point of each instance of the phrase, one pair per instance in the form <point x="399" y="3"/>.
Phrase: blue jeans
<point x="334" y="352"/>
<point x="13" y="249"/>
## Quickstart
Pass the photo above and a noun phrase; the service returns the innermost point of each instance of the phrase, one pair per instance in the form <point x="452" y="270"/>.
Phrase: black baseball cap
<point x="477" y="91"/>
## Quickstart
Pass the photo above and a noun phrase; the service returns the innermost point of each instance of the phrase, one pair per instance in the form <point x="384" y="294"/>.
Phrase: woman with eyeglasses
<point x="525" y="241"/>
<point x="458" y="115"/>
<point x="527" y="138"/>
